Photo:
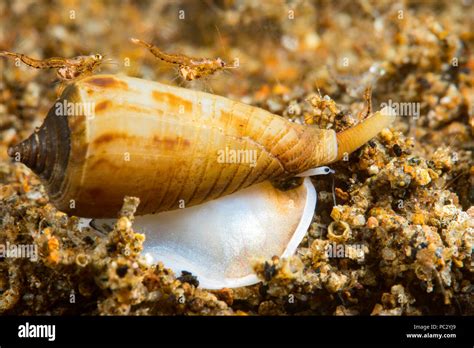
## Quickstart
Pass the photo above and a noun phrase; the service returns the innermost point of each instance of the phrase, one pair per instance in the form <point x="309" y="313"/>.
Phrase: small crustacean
<point x="172" y="148"/>
<point x="189" y="68"/>
<point x="67" y="69"/>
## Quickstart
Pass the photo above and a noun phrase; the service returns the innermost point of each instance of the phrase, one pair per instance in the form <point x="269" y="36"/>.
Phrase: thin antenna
<point x="333" y="189"/>
<point x="319" y="91"/>
<point x="219" y="35"/>
<point x="368" y="100"/>
<point x="228" y="66"/>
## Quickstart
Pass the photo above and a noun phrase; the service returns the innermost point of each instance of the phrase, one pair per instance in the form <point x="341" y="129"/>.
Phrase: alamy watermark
<point x="237" y="156"/>
<point x="28" y="330"/>
<point x="408" y="109"/>
<point x="344" y="251"/>
<point x="66" y="108"/>
<point x="27" y="251"/>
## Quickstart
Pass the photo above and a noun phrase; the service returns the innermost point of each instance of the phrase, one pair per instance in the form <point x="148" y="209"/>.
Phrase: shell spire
<point x="46" y="151"/>
<point x="27" y="152"/>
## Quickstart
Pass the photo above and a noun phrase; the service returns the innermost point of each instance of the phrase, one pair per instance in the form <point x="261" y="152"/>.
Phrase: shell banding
<point x="168" y="146"/>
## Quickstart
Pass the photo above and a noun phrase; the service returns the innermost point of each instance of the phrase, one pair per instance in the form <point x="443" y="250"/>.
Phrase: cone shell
<point x="168" y="146"/>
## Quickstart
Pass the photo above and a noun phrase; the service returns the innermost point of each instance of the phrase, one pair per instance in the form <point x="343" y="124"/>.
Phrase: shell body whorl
<point x="162" y="144"/>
